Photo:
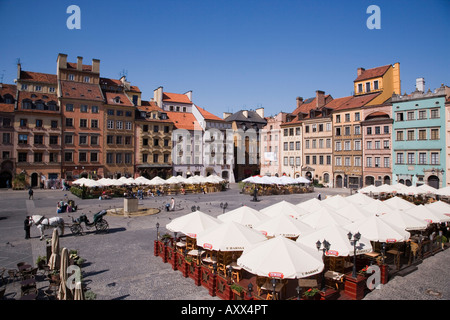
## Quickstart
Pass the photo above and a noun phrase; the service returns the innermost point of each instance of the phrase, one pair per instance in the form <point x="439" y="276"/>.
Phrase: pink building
<point x="270" y="145"/>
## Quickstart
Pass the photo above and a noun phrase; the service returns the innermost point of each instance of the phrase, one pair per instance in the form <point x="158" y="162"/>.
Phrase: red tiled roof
<point x="84" y="67"/>
<point x="335" y="103"/>
<point x="35" y="96"/>
<point x="8" y="89"/>
<point x="373" y="73"/>
<point x="183" y="120"/>
<point x="357" y="102"/>
<point x="110" y="82"/>
<point x="80" y="90"/>
<point x="148" y="106"/>
<point x="176" y="97"/>
<point x="134" y="89"/>
<point x="208" y="115"/>
<point x="124" y="100"/>
<point x="38" y="77"/>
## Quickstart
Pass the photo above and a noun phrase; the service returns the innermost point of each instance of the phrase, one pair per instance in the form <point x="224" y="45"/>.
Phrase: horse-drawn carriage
<point x="99" y="223"/>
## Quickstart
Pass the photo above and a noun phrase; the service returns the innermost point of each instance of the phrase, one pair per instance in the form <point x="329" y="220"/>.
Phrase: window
<point x="53" y="140"/>
<point x="410" y="115"/>
<point x="6" y="138"/>
<point x="320" y="127"/>
<point x="69" y="122"/>
<point x="166" y="142"/>
<point x="94" y="157"/>
<point x="83" y="108"/>
<point x="128" y="125"/>
<point x="338" y="146"/>
<point x="166" y="129"/>
<point x="109" y="139"/>
<point x="399" y="135"/>
<point x="291" y="131"/>
<point x="119" y="125"/>
<point x="386" y="144"/>
<point x="69" y="107"/>
<point x="291" y="161"/>
<point x="377" y="130"/>
<point x="314" y="128"/>
<point x="155" y="142"/>
<point x="71" y="77"/>
<point x="328" y="160"/>
<point x="297" y="131"/>
<point x="94" y="109"/>
<point x="320" y="143"/>
<point x="23" y="122"/>
<point x="347" y="146"/>
<point x="53" y="157"/>
<point x="24" y="87"/>
<point x="377" y="162"/>
<point x="306" y="144"/>
<point x="110" y="112"/>
<point x="328" y="143"/>
<point x="87" y="79"/>
<point x="357" y="116"/>
<point x="422" y="114"/>
<point x="400" y="159"/>
<point x="94" y="140"/>
<point x="297" y="161"/>
<point x="369" y="145"/>
<point x="377" y="144"/>
<point x="347" y="131"/>
<point x="128" y="158"/>
<point x="22" y="157"/>
<point x="119" y="113"/>
<point x="411" y="135"/>
<point x="347" y="162"/>
<point x="297" y="145"/>
<point x="110" y="124"/>
<point x="68" y="156"/>
<point x="118" y="158"/>
<point x="285" y="132"/>
<point x="369" y="130"/>
<point x="386" y="129"/>
<point x="314" y="144"/>
<point x="386" y="162"/>
<point x="357" y="145"/>
<point x="314" y="159"/>
<point x="411" y="158"/>
<point x="54" y="124"/>
<point x="338" y="131"/>
<point x="37" y="88"/>
<point x="434" y="113"/>
<point x="155" y="128"/>
<point x="357" y="161"/>
<point x="23" y="138"/>
<point x="338" y="161"/>
<point x="422" y="158"/>
<point x="399" y="116"/>
<point x="357" y="130"/>
<point x="307" y="159"/>
<point x="83" y="139"/>
<point x="375" y="85"/>
<point x="94" y="123"/>
<point x="328" y="126"/>
<point x="434" y="158"/>
<point x="367" y="86"/>
<point x="285" y="146"/>
<point x="38" y="157"/>
<point x="109" y="158"/>
<point x="347" y="117"/>
<point x="338" y="118"/>
<point x="83" y="123"/>
<point x="82" y="157"/>
<point x="156" y="156"/>
<point x="360" y="87"/>
<point x="145" y="142"/>
<point x="119" y="139"/>
<point x="68" y="139"/>
<point x="434" y="134"/>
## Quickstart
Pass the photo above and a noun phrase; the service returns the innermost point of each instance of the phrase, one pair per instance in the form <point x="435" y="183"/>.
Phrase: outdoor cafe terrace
<point x="325" y="250"/>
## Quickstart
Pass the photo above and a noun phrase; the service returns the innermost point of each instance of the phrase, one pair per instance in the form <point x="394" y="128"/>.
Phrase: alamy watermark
<point x="74" y="20"/>
<point x="374" y="21"/>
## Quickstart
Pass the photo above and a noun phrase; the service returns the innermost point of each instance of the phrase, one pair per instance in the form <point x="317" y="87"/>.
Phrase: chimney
<point x="158" y="96"/>
<point x="260" y="112"/>
<point x="61" y="62"/>
<point x="320" y="98"/>
<point x="79" y="63"/>
<point x="420" y="84"/>
<point x="189" y="95"/>
<point x="96" y="65"/>
<point x="360" y="71"/>
<point x="299" y="101"/>
<point x="226" y="115"/>
<point x="245" y="113"/>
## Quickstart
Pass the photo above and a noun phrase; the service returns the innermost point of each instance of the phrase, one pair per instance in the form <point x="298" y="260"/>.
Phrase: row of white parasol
<point x="142" y="181"/>
<point x="400" y="188"/>
<point x="265" y="236"/>
<point x="283" y="180"/>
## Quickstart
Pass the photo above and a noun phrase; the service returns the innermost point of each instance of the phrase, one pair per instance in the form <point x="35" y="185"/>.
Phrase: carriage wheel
<point x="76" y="229"/>
<point x="102" y="226"/>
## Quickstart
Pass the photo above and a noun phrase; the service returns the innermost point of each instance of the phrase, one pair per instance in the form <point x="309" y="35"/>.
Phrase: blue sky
<point x="232" y="54"/>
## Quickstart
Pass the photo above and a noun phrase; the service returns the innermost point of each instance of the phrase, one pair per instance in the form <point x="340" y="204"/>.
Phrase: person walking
<point x="30" y="194"/>
<point x="26" y="227"/>
<point x="319" y="197"/>
<point x="172" y="204"/>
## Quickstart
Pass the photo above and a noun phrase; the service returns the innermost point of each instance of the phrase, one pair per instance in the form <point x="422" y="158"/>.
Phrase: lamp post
<point x="356" y="238"/>
<point x="250" y="289"/>
<point x="298" y="289"/>
<point x="157" y="231"/>
<point x="324" y="246"/>
<point x="274" y="285"/>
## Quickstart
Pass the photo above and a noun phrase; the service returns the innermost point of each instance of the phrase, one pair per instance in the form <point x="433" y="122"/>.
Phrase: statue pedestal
<point x="130" y="205"/>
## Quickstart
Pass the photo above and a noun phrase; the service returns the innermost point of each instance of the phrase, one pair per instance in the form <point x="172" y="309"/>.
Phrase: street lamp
<point x="157" y="231"/>
<point x="353" y="242"/>
<point x="250" y="289"/>
<point x="324" y="246"/>
<point x="298" y="289"/>
<point x="274" y="285"/>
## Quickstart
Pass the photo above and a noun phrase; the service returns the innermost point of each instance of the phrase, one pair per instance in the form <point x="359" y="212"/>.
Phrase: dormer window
<point x="71" y="77"/>
<point x="367" y="86"/>
<point x="360" y="87"/>
<point x="375" y="85"/>
<point x="37" y="88"/>
<point x="117" y="99"/>
<point x="87" y="79"/>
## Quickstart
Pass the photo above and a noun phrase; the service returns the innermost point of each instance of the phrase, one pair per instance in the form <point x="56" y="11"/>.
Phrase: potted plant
<point x="363" y="271"/>
<point x="312" y="294"/>
<point x="237" y="289"/>
<point x="54" y="275"/>
<point x="90" y="295"/>
<point x="40" y="262"/>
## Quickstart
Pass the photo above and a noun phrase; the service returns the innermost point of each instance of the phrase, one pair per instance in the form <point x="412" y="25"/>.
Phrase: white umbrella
<point x="360" y="198"/>
<point x="443" y="192"/>
<point x="385" y="188"/>
<point x="192" y="224"/>
<point x="336" y="201"/>
<point x="280" y="257"/>
<point x="324" y="217"/>
<point x="193" y="180"/>
<point x="141" y="180"/>
<point x="156" y="181"/>
<point x="337" y="236"/>
<point x="265" y="180"/>
<point x="283" y="207"/>
<point x="428" y="214"/>
<point x="243" y="215"/>
<point x="80" y="181"/>
<point x="172" y="180"/>
<point x="353" y="212"/>
<point x="310" y="205"/>
<point x="254" y="179"/>
<point x="404" y="220"/>
<point x="302" y="180"/>
<point x="229" y="236"/>
<point x="426" y="189"/>
<point x="377" y="207"/>
<point x="375" y="229"/>
<point x="400" y="188"/>
<point x="439" y="206"/>
<point x="54" y="257"/>
<point x="282" y="225"/>
<point x="368" y="189"/>
<point x="399" y="203"/>
<point x="287" y="180"/>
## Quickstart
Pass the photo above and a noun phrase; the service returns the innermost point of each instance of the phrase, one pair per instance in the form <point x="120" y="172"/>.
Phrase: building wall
<point x="418" y="153"/>
<point x="271" y="137"/>
<point x="291" y="150"/>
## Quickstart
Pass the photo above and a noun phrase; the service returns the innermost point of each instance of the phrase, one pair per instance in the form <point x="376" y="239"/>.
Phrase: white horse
<point x="43" y="223"/>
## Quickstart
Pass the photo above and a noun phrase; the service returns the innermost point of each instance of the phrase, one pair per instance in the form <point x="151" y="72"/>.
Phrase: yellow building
<point x="384" y="80"/>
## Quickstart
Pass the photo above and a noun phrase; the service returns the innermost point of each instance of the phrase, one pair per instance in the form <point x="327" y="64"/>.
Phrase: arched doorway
<point x="433" y="181"/>
<point x="339" y="181"/>
<point x="326" y="177"/>
<point x="387" y="180"/>
<point x="34" y="179"/>
<point x="408" y="183"/>
<point x="309" y="176"/>
<point x="401" y="181"/>
<point x="369" y="181"/>
<point x="5" y="177"/>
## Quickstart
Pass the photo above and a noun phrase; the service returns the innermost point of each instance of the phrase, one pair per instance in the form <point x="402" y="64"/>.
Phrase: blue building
<point x="418" y="137"/>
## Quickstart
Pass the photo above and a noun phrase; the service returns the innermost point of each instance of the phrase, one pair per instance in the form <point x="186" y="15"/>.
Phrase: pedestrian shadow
<point x="121" y="297"/>
<point x="87" y="274"/>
